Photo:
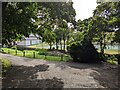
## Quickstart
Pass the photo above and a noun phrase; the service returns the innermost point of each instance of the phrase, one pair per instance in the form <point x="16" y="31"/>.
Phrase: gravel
<point x="37" y="73"/>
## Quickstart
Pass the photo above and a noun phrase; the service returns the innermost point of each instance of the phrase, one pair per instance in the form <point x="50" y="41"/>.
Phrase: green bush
<point x="112" y="59"/>
<point x="83" y="51"/>
<point x="5" y="64"/>
<point x="42" y="51"/>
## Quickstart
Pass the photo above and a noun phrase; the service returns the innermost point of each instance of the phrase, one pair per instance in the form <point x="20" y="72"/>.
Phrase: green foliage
<point x="112" y="59"/>
<point x="21" y="19"/>
<point x="110" y="11"/>
<point x="42" y="51"/>
<point x="117" y="36"/>
<point x="5" y="64"/>
<point x="17" y="20"/>
<point x="60" y="10"/>
<point x="78" y="36"/>
<point x="83" y="51"/>
<point x="112" y="62"/>
<point x="49" y="37"/>
<point x="39" y="54"/>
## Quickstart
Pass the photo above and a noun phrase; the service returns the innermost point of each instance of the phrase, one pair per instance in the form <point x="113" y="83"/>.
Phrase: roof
<point x="31" y="37"/>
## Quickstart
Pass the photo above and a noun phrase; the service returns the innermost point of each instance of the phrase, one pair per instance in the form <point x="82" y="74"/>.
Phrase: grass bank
<point x="6" y="64"/>
<point x="37" y="53"/>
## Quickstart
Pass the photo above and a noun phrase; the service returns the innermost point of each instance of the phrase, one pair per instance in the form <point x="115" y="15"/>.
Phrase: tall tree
<point x="21" y="19"/>
<point x="17" y="21"/>
<point x="110" y="11"/>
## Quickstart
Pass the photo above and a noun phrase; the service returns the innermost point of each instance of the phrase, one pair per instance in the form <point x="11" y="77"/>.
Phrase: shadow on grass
<point x="25" y="77"/>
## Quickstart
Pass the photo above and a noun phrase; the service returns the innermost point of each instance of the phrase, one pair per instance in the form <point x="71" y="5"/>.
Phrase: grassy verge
<point x="36" y="54"/>
<point x="6" y="64"/>
<point x="39" y="45"/>
<point x="111" y="51"/>
<point x="112" y="62"/>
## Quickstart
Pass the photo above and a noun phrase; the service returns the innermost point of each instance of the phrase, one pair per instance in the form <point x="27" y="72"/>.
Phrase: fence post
<point x="2" y="51"/>
<point x="33" y="54"/>
<point x="45" y="55"/>
<point x="61" y="57"/>
<point x="23" y="53"/>
<point x="16" y="52"/>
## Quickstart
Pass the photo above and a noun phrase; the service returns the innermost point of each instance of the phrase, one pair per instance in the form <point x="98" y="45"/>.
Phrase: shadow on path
<point x="25" y="77"/>
<point x="106" y="76"/>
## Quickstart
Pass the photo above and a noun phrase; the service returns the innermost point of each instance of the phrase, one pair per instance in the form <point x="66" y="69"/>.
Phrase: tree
<point x="107" y="15"/>
<point x="110" y="11"/>
<point x="64" y="31"/>
<point x="58" y="14"/>
<point x="117" y="36"/>
<point x="101" y="32"/>
<point x="49" y="37"/>
<point x="17" y="21"/>
<point x="21" y="19"/>
<point x="58" y="34"/>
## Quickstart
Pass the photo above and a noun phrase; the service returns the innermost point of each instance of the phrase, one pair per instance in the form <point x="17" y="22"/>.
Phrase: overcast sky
<point x="84" y="8"/>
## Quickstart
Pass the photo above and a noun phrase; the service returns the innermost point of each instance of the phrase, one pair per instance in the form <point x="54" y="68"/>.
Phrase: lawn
<point x="35" y="54"/>
<point x="43" y="54"/>
<point x="111" y="51"/>
<point x="39" y="45"/>
<point x="6" y="64"/>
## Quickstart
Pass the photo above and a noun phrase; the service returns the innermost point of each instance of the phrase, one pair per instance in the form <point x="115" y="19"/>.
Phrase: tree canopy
<point x="22" y="18"/>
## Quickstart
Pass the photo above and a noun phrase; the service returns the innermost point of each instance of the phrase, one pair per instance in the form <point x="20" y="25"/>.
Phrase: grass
<point x="39" y="45"/>
<point x="39" y="54"/>
<point x="111" y="51"/>
<point x="106" y="50"/>
<point x="112" y="62"/>
<point x="6" y="64"/>
<point x="30" y="54"/>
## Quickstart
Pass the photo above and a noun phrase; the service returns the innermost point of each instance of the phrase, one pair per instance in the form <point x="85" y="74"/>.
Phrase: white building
<point x="31" y="40"/>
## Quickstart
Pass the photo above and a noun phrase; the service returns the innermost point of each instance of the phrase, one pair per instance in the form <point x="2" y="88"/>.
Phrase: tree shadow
<point x="106" y="76"/>
<point x="25" y="77"/>
<point x="103" y="73"/>
<point x="77" y="65"/>
<point x="84" y="65"/>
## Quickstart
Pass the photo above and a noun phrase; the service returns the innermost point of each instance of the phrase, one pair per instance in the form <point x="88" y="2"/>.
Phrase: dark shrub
<point x="83" y="51"/>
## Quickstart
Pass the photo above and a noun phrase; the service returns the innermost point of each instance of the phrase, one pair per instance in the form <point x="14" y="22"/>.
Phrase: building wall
<point x="28" y="42"/>
<point x="21" y="43"/>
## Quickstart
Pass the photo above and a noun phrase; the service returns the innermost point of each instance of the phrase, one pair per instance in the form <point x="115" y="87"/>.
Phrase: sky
<point x="84" y="8"/>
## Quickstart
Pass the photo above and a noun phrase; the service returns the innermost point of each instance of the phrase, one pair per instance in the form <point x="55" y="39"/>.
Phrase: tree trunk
<point x="56" y="44"/>
<point x="101" y="45"/>
<point x="42" y="43"/>
<point x="50" y="45"/>
<point x="104" y="43"/>
<point x="61" y="44"/>
<point x="4" y="5"/>
<point x="64" y="45"/>
<point x="67" y="40"/>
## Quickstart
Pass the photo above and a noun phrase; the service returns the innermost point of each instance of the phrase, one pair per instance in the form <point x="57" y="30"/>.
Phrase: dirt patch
<point x="36" y="73"/>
